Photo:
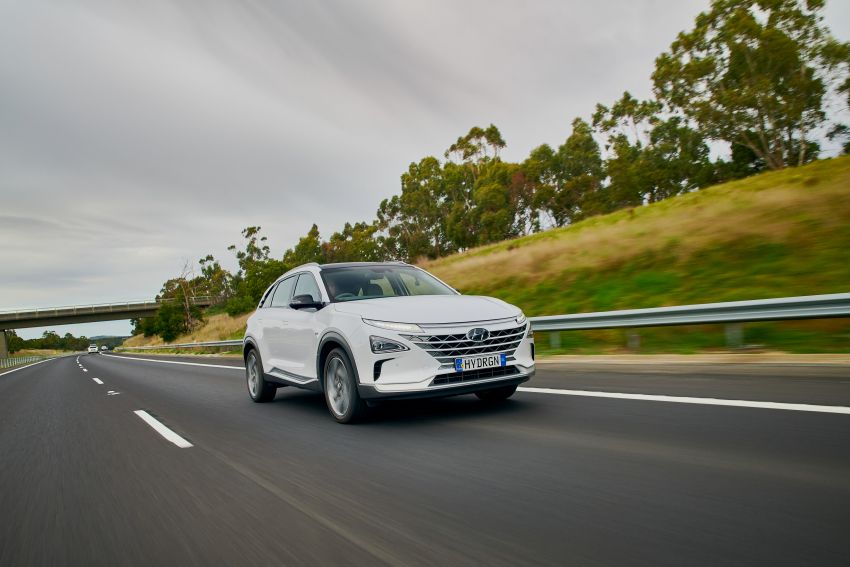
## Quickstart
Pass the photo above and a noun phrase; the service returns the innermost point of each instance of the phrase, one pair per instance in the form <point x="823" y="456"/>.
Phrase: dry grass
<point x="217" y="327"/>
<point x="39" y="352"/>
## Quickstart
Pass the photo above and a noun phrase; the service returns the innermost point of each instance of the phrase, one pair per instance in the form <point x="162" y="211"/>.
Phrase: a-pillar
<point x="4" y="345"/>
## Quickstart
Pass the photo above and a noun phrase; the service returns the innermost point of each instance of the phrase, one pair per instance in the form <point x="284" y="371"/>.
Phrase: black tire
<point x="258" y="388"/>
<point x="496" y="394"/>
<point x="339" y="384"/>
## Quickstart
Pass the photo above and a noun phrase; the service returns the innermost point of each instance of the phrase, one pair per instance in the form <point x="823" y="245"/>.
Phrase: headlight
<point x="521" y="319"/>
<point x="399" y="327"/>
<point x="381" y="345"/>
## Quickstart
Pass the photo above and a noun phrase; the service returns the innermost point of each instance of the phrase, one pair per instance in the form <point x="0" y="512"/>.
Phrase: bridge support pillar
<point x="4" y="345"/>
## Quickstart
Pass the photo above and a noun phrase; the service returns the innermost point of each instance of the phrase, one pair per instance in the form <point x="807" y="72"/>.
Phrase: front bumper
<point x="370" y="392"/>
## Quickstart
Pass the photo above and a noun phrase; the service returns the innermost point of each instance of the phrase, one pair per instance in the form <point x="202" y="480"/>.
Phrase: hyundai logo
<point x="478" y="335"/>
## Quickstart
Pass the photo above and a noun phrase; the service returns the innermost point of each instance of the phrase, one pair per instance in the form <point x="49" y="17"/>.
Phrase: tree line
<point x="760" y="82"/>
<point x="52" y="341"/>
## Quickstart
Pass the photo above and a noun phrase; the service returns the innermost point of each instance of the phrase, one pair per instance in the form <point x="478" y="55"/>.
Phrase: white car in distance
<point x="93" y="348"/>
<point x="360" y="332"/>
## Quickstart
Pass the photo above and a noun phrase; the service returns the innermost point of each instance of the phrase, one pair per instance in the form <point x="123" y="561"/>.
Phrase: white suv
<point x="366" y="331"/>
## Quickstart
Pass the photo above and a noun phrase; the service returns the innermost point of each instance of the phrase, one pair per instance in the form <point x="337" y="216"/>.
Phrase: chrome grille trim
<point x="446" y="348"/>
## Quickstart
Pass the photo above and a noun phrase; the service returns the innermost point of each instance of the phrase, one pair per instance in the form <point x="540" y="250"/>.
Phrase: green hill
<point x="772" y="235"/>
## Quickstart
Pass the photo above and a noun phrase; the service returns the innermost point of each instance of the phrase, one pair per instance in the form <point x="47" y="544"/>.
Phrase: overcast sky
<point x="137" y="135"/>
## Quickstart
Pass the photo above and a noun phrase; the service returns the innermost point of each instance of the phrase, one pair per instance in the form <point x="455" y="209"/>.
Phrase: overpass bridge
<point x="48" y="316"/>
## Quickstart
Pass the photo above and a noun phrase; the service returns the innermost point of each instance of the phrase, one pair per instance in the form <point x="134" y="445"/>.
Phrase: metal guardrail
<point x="210" y="344"/>
<point x="19" y="360"/>
<point x="785" y="308"/>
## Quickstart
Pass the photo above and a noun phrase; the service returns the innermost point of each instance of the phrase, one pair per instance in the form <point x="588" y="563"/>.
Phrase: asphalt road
<point x="544" y="479"/>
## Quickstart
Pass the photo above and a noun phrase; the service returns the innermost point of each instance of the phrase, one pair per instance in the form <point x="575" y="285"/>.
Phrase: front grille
<point x="472" y="375"/>
<point x="446" y="348"/>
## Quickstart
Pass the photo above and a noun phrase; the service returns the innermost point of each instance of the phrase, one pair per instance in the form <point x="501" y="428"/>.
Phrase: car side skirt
<point x="289" y="379"/>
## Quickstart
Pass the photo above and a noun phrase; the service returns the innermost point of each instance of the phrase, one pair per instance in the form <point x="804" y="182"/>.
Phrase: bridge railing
<point x="35" y="312"/>
<point x="730" y="313"/>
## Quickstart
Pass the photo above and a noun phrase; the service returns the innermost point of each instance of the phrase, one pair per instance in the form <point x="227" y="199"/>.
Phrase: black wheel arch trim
<point x="246" y="343"/>
<point x="339" y="339"/>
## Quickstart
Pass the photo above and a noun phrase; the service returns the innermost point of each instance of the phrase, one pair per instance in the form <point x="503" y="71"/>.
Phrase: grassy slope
<point x="218" y="327"/>
<point x="777" y="234"/>
<point x="773" y="235"/>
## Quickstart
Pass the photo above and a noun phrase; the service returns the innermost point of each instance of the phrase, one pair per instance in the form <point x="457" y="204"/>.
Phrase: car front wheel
<point x="258" y="388"/>
<point x="340" y="387"/>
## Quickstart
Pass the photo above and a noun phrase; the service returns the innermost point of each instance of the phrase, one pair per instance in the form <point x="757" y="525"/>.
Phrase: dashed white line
<point x="98" y="381"/>
<point x="162" y="430"/>
<point x="84" y="370"/>
<point x="688" y="400"/>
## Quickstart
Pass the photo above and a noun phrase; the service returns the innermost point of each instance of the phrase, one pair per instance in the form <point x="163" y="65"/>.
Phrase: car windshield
<point x="352" y="283"/>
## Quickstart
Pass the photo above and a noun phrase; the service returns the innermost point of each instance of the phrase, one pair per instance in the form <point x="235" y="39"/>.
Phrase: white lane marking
<point x="688" y="400"/>
<point x="163" y="430"/>
<point x="84" y="370"/>
<point x="27" y="366"/>
<point x="592" y="394"/>
<point x="98" y="381"/>
<point x="239" y="368"/>
<point x="112" y="393"/>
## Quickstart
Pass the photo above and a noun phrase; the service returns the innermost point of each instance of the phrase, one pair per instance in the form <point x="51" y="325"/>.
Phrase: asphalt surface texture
<point x="542" y="479"/>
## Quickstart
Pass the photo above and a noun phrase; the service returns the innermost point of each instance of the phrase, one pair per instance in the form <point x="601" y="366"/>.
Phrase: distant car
<point x="104" y="348"/>
<point x="369" y="331"/>
<point x="92" y="348"/>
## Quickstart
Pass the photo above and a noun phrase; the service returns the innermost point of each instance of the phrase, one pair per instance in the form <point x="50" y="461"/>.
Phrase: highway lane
<point x="541" y="480"/>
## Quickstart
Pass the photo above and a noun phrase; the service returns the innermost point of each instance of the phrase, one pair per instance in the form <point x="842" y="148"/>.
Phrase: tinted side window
<point x="307" y="286"/>
<point x="283" y="293"/>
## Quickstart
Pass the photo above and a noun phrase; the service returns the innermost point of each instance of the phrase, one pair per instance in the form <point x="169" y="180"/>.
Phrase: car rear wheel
<point x="258" y="388"/>
<point x="496" y="394"/>
<point x="340" y="387"/>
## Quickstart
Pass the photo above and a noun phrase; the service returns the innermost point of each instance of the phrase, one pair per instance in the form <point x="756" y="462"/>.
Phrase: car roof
<point x="358" y="264"/>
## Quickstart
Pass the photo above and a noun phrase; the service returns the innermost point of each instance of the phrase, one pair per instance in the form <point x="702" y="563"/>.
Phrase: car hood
<point x="430" y="309"/>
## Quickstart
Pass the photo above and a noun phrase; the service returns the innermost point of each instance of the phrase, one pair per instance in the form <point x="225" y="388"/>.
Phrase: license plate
<point x="479" y="362"/>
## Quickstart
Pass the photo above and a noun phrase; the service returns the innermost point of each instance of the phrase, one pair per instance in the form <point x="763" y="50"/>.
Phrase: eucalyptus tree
<point x="757" y="73"/>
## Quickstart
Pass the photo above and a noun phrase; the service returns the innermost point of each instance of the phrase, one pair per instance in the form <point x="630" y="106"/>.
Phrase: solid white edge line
<point x="239" y="368"/>
<point x="27" y="366"/>
<point x="98" y="381"/>
<point x="592" y="394"/>
<point x="688" y="400"/>
<point x="162" y="430"/>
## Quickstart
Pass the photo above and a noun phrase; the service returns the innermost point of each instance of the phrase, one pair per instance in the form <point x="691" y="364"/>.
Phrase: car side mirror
<point x="305" y="301"/>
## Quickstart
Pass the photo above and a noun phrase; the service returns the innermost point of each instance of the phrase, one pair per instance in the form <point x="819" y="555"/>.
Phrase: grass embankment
<point x="217" y="327"/>
<point x="777" y="234"/>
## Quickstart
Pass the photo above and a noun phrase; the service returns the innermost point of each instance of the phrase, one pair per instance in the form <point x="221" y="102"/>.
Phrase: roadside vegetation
<point x="51" y="342"/>
<point x="773" y="235"/>
<point x="620" y="215"/>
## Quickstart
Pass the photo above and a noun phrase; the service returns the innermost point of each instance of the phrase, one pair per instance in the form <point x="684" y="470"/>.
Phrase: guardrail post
<point x="555" y="339"/>
<point x="633" y="341"/>
<point x="4" y="345"/>
<point x="734" y="336"/>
